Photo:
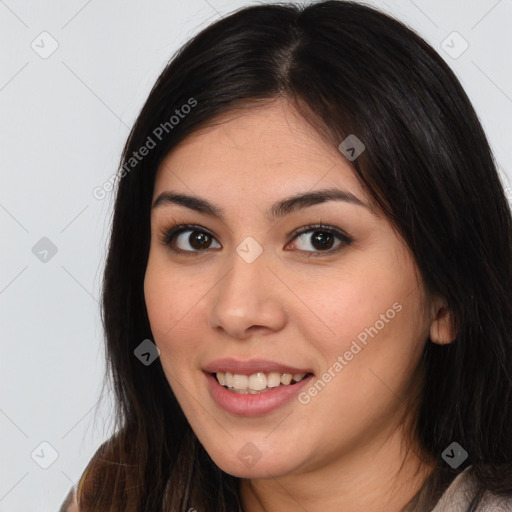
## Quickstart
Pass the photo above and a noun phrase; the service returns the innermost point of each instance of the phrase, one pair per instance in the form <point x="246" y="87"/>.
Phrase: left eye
<point x="321" y="238"/>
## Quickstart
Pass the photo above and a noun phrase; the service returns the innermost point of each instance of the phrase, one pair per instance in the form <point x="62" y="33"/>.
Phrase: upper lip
<point x="250" y="366"/>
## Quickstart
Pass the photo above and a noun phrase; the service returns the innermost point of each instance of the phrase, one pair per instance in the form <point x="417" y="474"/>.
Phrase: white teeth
<point x="273" y="380"/>
<point x="257" y="382"/>
<point x="240" y="381"/>
<point x="286" y="378"/>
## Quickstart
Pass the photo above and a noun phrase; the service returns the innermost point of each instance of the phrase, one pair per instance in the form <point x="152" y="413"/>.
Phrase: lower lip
<point x="253" y="405"/>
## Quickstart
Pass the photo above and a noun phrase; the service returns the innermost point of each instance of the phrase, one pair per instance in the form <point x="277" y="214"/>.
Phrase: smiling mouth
<point x="257" y="383"/>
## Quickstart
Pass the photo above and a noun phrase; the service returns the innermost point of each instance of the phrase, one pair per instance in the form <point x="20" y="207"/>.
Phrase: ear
<point x="442" y="330"/>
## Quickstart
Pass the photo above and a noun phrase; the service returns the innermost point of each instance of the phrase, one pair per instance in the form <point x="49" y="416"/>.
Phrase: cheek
<point x="372" y="358"/>
<point x="367" y="372"/>
<point x="346" y="307"/>
<point x="173" y="303"/>
<point x="158" y="296"/>
<point x="167" y="293"/>
<point x="374" y="319"/>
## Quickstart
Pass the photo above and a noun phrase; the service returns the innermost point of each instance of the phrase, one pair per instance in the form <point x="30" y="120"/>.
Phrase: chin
<point x="249" y="462"/>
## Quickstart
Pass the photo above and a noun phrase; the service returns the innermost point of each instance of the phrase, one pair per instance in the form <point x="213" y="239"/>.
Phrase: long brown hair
<point x="347" y="68"/>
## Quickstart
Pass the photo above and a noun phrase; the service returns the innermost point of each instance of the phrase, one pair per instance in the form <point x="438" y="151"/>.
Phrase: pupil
<point x="319" y="238"/>
<point x="198" y="240"/>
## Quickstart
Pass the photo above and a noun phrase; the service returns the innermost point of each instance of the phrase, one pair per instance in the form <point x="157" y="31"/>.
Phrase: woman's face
<point x="252" y="302"/>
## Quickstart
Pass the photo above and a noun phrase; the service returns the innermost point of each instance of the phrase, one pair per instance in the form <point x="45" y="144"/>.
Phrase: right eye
<point x="191" y="235"/>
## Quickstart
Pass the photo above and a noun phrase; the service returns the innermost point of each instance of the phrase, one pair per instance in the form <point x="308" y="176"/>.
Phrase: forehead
<point x="268" y="151"/>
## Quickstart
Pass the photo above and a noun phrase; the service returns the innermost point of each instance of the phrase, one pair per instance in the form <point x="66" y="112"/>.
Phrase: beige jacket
<point x="459" y="494"/>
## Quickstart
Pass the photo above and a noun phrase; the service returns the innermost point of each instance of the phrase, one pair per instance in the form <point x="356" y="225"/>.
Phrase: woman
<point x="307" y="297"/>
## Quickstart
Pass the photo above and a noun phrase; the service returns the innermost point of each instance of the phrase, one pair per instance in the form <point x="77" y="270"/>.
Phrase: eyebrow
<point x="277" y="210"/>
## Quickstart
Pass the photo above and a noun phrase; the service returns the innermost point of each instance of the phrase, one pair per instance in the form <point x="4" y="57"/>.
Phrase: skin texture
<point x="343" y="450"/>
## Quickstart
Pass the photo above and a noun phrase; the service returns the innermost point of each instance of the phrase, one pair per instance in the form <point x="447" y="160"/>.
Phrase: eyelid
<point x="169" y="233"/>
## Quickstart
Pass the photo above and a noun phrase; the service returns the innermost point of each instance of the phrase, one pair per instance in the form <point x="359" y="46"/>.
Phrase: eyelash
<point x="170" y="232"/>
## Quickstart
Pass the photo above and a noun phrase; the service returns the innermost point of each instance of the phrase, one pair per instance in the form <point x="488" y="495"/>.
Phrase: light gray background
<point x="63" y="121"/>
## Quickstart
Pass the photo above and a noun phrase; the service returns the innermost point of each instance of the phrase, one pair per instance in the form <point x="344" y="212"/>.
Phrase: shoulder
<point x="459" y="494"/>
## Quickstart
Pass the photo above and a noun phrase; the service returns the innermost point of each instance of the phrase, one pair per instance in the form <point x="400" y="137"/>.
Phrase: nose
<point x="246" y="301"/>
